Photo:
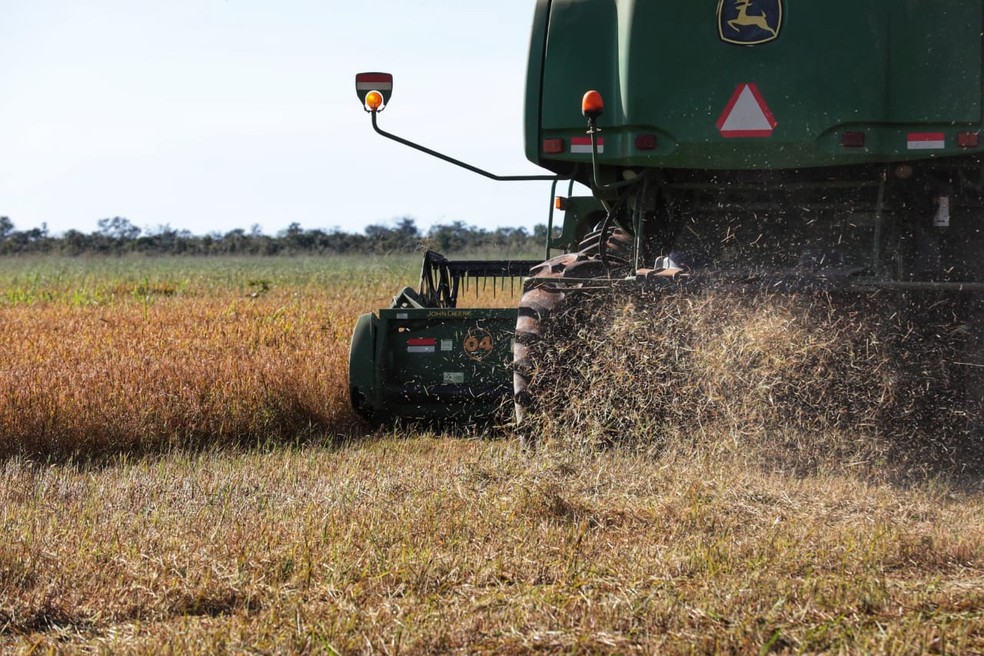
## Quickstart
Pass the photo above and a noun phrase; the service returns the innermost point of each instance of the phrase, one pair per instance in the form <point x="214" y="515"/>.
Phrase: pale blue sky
<point x="210" y="115"/>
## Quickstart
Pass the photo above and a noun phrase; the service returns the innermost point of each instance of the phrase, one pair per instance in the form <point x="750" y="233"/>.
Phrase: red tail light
<point x="553" y="146"/>
<point x="852" y="140"/>
<point x="968" y="139"/>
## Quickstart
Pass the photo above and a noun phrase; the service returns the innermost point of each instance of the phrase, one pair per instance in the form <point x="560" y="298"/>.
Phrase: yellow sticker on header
<point x="478" y="344"/>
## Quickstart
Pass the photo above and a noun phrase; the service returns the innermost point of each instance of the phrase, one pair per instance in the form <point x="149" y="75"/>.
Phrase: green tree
<point x="118" y="227"/>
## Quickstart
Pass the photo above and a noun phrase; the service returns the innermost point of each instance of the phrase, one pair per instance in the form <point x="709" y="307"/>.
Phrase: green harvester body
<point x="793" y="127"/>
<point x="887" y="68"/>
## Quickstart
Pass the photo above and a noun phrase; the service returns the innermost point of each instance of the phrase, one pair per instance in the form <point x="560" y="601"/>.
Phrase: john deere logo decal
<point x="749" y="22"/>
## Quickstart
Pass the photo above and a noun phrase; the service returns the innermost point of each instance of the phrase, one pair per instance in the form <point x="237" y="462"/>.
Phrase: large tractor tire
<point x="543" y="300"/>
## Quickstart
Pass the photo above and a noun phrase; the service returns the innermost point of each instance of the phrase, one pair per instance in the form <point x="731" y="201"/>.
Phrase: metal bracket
<point x="456" y="162"/>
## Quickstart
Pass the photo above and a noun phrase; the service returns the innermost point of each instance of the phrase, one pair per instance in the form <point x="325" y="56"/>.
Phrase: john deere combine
<point x="780" y="142"/>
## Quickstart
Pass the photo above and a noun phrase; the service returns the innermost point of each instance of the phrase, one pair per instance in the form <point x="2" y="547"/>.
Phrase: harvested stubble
<point x="795" y="380"/>
<point x="424" y="545"/>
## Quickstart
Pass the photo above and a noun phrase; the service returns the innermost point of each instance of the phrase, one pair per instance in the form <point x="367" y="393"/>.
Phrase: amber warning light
<point x="374" y="90"/>
<point x="592" y="105"/>
<point x="374" y="101"/>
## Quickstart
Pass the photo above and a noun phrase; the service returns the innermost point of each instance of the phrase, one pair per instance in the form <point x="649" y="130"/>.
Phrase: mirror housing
<point x="374" y="86"/>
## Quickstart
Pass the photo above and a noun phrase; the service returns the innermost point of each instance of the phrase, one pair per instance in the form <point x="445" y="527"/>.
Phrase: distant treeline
<point x="118" y="236"/>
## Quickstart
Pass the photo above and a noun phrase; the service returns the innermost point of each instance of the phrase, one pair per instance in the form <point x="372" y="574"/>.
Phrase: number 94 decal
<point x="478" y="343"/>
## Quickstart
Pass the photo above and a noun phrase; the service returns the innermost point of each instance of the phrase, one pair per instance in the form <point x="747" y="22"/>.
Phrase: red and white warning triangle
<point x="746" y="114"/>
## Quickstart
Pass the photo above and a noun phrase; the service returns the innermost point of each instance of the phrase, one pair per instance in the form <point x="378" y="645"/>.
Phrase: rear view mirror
<point x="374" y="90"/>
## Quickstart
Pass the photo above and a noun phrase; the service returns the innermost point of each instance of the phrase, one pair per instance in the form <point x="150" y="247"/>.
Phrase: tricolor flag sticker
<point x="926" y="141"/>
<point x="582" y="145"/>
<point x="421" y="345"/>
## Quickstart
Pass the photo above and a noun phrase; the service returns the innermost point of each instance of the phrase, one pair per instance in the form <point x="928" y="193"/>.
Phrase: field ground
<point x="181" y="473"/>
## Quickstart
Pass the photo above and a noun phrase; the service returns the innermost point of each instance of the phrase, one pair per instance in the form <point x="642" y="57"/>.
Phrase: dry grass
<point x="437" y="545"/>
<point x="418" y="543"/>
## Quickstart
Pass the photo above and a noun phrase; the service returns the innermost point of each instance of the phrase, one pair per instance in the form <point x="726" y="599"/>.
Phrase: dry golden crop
<point x="106" y="361"/>
<point x="134" y="375"/>
<point x="127" y="378"/>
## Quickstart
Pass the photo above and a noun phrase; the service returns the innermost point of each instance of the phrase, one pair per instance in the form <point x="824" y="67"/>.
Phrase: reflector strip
<point x="926" y="141"/>
<point x="421" y="345"/>
<point x="582" y="145"/>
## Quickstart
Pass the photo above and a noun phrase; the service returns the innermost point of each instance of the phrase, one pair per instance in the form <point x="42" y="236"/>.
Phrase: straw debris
<point x="809" y="379"/>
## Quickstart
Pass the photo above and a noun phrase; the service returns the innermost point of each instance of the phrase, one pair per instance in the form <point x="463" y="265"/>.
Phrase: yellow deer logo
<point x="749" y="22"/>
<point x="745" y="20"/>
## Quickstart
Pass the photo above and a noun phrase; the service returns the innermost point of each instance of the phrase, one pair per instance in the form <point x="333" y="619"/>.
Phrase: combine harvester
<point x="771" y="143"/>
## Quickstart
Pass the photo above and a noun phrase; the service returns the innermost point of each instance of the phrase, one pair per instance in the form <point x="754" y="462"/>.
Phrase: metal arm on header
<point x="374" y="89"/>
